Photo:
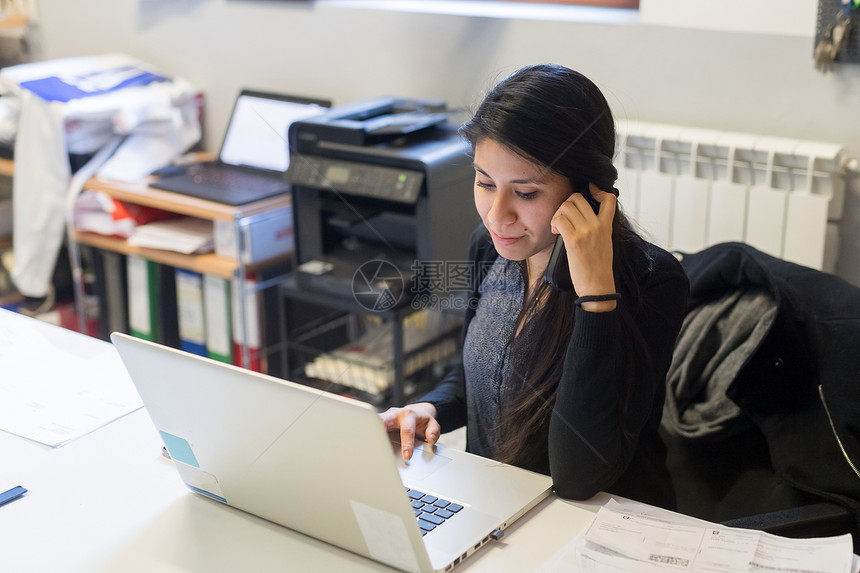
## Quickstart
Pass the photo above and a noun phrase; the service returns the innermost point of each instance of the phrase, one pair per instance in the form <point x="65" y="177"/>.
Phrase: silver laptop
<point x="322" y="464"/>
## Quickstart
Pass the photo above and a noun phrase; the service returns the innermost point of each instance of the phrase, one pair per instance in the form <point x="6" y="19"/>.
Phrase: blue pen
<point x="12" y="494"/>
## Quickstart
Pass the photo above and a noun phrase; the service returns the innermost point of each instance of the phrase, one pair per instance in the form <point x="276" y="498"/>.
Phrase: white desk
<point x="110" y="502"/>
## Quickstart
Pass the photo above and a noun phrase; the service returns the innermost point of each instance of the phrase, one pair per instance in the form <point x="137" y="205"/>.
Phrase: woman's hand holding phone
<point x="588" y="241"/>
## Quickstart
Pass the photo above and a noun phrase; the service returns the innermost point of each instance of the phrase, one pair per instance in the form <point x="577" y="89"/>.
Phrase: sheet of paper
<point x="645" y="539"/>
<point x="185" y="235"/>
<point x="58" y="385"/>
<point x="633" y="537"/>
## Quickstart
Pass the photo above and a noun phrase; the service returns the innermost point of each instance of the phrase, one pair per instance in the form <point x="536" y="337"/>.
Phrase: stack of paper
<point x="367" y="363"/>
<point x="186" y="235"/>
<point x="632" y="537"/>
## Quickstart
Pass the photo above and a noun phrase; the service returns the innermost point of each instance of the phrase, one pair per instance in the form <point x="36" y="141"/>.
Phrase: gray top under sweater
<point x="485" y="353"/>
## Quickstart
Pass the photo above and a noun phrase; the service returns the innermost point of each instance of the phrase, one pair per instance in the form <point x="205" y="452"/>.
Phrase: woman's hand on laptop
<point x="413" y="419"/>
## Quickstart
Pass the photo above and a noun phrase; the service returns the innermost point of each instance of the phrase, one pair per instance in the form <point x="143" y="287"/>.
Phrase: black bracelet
<point x="597" y="298"/>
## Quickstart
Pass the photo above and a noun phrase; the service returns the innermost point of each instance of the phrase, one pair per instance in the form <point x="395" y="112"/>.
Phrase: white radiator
<point x="687" y="189"/>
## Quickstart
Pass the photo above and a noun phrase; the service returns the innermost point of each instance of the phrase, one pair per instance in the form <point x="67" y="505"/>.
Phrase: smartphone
<point x="557" y="270"/>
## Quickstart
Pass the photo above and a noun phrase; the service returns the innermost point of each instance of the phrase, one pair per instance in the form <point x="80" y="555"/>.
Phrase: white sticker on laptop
<point x="385" y="536"/>
<point x="200" y="481"/>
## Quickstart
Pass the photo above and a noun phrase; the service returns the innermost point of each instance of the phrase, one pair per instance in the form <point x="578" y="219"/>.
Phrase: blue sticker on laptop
<point x="180" y="449"/>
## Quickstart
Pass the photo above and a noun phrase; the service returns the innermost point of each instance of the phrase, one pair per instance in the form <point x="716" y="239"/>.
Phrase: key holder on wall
<point x="837" y="33"/>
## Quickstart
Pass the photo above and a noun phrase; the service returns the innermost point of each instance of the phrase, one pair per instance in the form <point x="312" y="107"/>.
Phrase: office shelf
<point x="207" y="263"/>
<point x="371" y="355"/>
<point x="231" y="268"/>
<point x="366" y="362"/>
<point x="140" y="193"/>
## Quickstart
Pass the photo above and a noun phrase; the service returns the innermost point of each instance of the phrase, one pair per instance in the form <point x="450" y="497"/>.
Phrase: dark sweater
<point x="602" y="434"/>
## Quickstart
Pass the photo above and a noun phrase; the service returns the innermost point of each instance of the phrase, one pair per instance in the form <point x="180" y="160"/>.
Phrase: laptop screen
<point x="257" y="133"/>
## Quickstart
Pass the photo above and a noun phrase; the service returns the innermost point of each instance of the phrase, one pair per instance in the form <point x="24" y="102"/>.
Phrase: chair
<point x="752" y="441"/>
<point x="734" y="483"/>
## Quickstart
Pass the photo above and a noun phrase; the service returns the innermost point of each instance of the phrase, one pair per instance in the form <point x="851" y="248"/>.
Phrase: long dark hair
<point x="556" y="118"/>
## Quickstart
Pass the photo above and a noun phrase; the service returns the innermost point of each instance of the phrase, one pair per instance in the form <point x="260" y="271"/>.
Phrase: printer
<point x="388" y="179"/>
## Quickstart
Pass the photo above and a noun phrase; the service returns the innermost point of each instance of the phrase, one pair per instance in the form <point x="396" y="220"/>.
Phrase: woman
<point x="570" y="384"/>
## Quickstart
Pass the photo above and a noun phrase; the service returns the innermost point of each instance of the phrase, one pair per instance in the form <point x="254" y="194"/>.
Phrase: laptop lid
<point x="256" y="134"/>
<point x="318" y="463"/>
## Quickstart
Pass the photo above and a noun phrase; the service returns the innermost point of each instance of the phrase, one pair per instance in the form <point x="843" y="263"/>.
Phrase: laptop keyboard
<point x="431" y="511"/>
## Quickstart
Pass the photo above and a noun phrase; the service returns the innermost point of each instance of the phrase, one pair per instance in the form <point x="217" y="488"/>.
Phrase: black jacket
<point x="801" y="385"/>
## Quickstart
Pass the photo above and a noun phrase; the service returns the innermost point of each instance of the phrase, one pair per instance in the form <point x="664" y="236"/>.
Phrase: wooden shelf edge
<point x="140" y="193"/>
<point x="207" y="263"/>
<point x="7" y="167"/>
<point x="14" y="21"/>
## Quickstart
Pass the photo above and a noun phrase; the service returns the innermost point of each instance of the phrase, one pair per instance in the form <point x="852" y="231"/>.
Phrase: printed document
<point x="633" y="537"/>
<point x="58" y="385"/>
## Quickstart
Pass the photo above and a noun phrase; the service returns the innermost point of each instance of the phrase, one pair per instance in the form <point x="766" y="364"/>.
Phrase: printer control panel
<point x="375" y="181"/>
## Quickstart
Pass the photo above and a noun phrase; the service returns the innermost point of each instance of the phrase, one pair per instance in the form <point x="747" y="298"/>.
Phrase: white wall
<point x="714" y="73"/>
<point x="795" y="18"/>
